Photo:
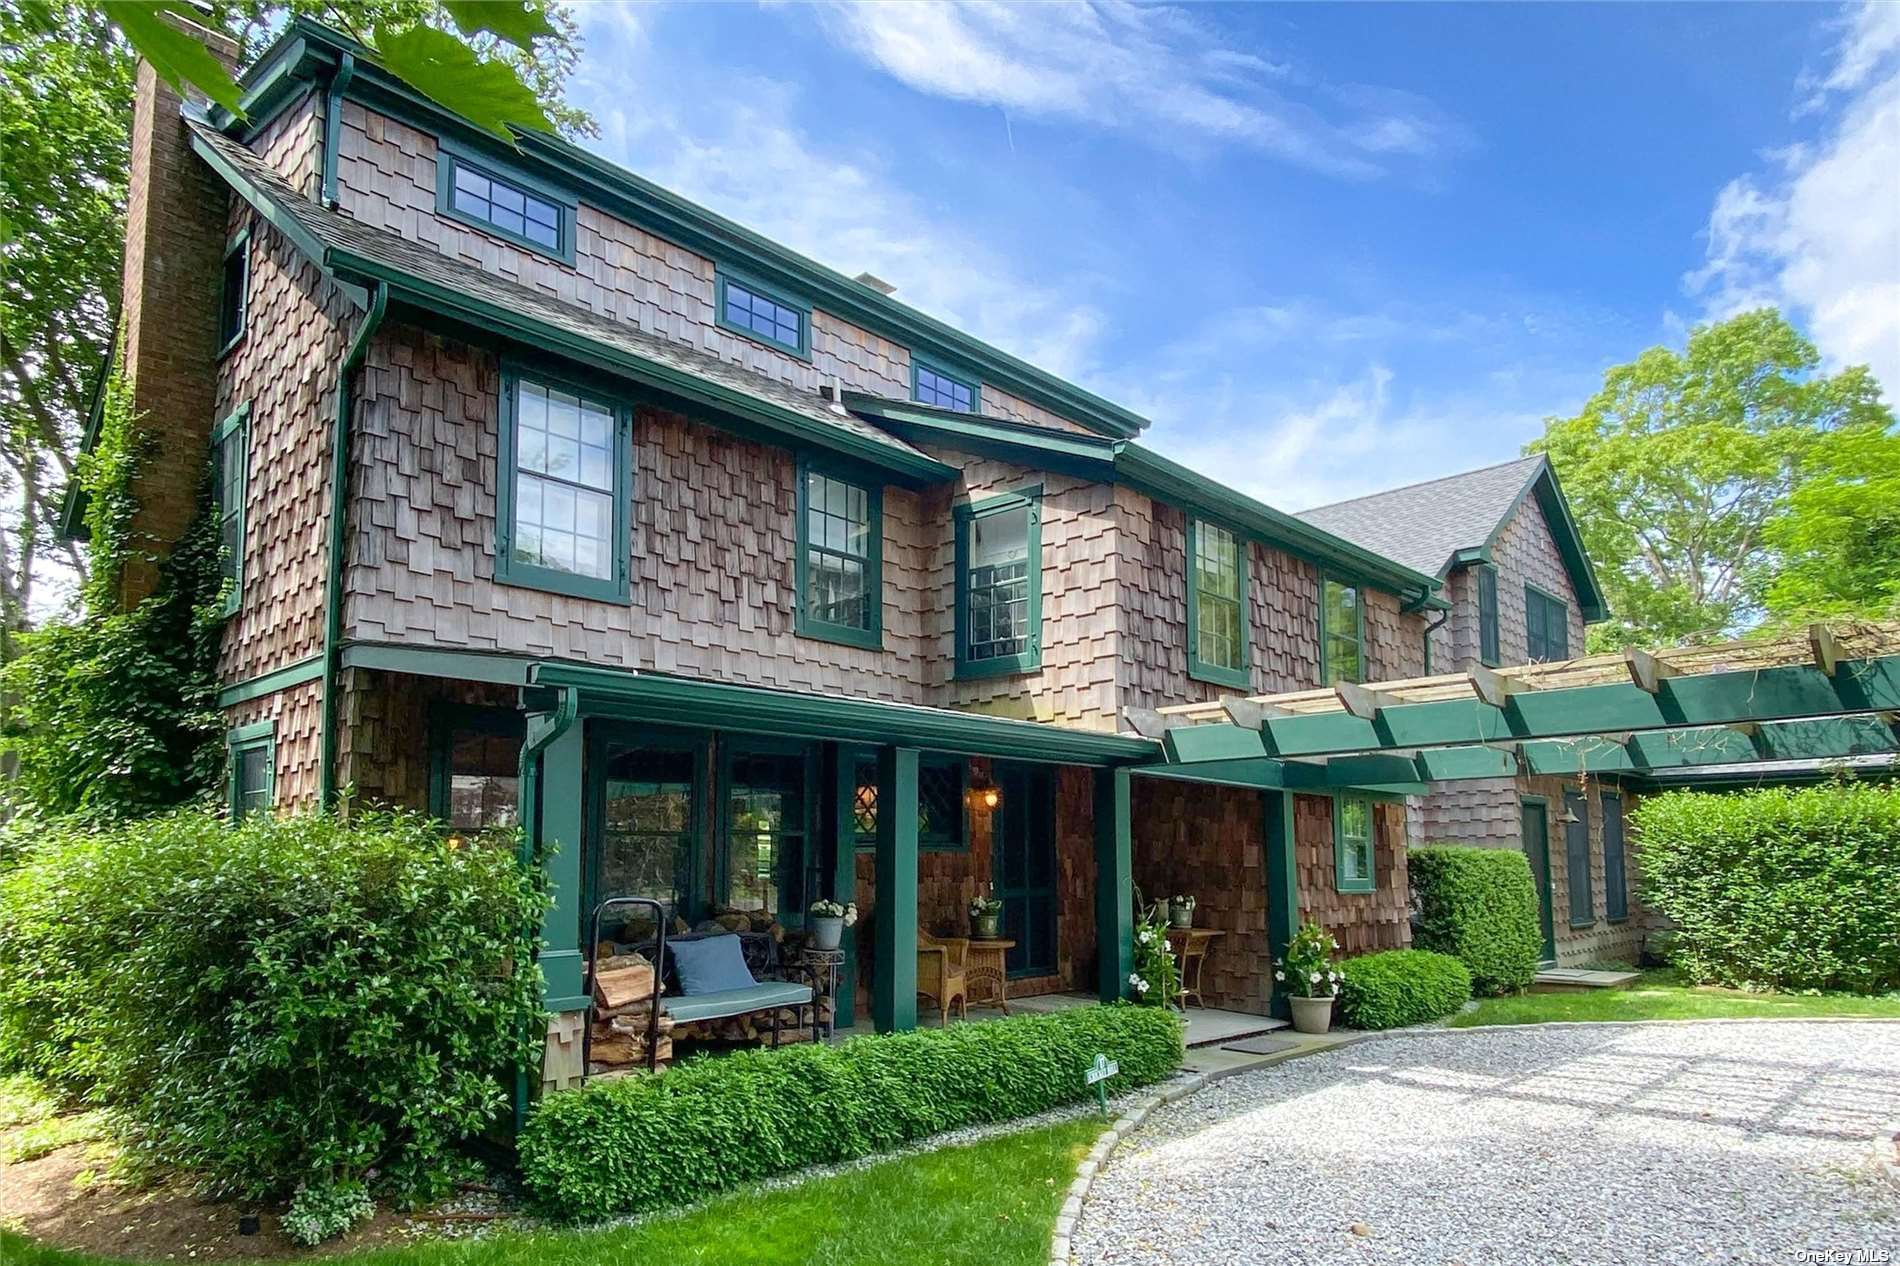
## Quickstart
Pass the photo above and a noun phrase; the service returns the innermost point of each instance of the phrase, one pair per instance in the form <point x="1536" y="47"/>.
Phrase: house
<point x="1512" y="566"/>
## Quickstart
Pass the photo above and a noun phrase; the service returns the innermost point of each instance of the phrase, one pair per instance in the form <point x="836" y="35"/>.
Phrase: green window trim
<point x="1355" y="855"/>
<point x="1485" y="577"/>
<point x="451" y="157"/>
<point x="932" y="834"/>
<point x="941" y="380"/>
<point x="235" y="430"/>
<point x="1235" y="672"/>
<point x="522" y="574"/>
<point x="245" y="740"/>
<point x="446" y="719"/>
<point x="234" y="293"/>
<point x="870" y="635"/>
<point x="1329" y="635"/>
<point x="1546" y="626"/>
<point x="799" y="346"/>
<point x="965" y="517"/>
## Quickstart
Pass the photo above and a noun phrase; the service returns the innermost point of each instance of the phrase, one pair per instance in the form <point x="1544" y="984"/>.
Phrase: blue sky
<point x="1326" y="248"/>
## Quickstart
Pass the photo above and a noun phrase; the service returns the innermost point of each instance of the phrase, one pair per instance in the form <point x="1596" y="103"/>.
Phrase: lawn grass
<point x="988" y="1204"/>
<point x="1664" y="995"/>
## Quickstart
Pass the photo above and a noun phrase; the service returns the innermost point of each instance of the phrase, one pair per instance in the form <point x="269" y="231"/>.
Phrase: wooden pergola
<point x="1830" y="694"/>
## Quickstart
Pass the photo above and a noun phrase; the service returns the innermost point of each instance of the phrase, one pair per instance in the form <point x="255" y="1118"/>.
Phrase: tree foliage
<point x="1686" y="470"/>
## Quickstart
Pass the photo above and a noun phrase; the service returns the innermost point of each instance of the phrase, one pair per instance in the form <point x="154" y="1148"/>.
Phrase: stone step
<point x="1576" y="979"/>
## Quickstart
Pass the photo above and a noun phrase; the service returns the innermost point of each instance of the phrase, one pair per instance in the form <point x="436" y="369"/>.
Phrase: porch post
<point x="1283" y="889"/>
<point x="1114" y="882"/>
<point x="894" y="992"/>
<point x="842" y="826"/>
<point x="560" y="828"/>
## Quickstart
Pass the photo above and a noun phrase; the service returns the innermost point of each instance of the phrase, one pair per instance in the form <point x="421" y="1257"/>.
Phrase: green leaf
<point x="178" y="57"/>
<point x="488" y="94"/>
<point x="516" y="22"/>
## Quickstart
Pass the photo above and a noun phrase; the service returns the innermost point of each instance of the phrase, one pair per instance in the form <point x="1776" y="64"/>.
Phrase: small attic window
<point x="933" y="385"/>
<point x="234" y="292"/>
<point x="508" y="203"/>
<point x="749" y="309"/>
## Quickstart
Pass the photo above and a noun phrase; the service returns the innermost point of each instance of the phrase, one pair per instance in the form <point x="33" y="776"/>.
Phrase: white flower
<point x="1313" y="979"/>
<point x="1146" y="936"/>
<point x="1279" y="975"/>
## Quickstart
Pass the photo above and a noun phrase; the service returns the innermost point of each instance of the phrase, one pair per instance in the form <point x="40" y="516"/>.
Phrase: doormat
<point x="1261" y="1045"/>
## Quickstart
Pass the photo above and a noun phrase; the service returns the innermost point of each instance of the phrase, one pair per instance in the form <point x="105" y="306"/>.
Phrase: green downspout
<point x="543" y="729"/>
<point x="333" y="124"/>
<point x="339" y="538"/>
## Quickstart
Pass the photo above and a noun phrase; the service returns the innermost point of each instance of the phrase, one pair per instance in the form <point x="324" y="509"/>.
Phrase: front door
<point x="1537" y="851"/>
<point x="1023" y="863"/>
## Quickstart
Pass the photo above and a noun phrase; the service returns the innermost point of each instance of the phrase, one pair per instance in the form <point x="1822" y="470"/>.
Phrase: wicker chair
<point x="940" y="974"/>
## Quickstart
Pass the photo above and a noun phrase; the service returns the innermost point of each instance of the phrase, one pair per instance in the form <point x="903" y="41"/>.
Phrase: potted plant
<point x="829" y="919"/>
<point x="986" y="912"/>
<point x="1311" y="981"/>
<point x="1153" y="980"/>
<point x="1181" y="911"/>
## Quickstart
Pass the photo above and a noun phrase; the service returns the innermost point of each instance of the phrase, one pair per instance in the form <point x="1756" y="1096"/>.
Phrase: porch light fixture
<point x="986" y="795"/>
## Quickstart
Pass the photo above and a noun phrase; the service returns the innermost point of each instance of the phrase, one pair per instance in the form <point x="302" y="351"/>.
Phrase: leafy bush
<point x="638" y="1143"/>
<point x="1786" y="889"/>
<point x="1395" y="988"/>
<point x="1480" y="906"/>
<point x="289" y="1001"/>
<point x="319" y="1213"/>
<point x="1155" y="980"/>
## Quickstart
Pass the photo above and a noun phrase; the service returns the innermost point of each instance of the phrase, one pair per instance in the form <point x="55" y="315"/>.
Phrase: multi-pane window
<point x="999" y="565"/>
<point x="1342" y="633"/>
<point x="840" y="555"/>
<point x="1487" y="579"/>
<point x="1217" y="604"/>
<point x="253" y="779"/>
<point x="940" y="790"/>
<point x="233" y="292"/>
<point x="1546" y="627"/>
<point x="748" y="309"/>
<point x="478" y="195"/>
<point x="1352" y="844"/>
<point x="230" y="447"/>
<point x="933" y="386"/>
<point x="565" y="495"/>
<point x="764" y="861"/>
<point x="646" y="825"/>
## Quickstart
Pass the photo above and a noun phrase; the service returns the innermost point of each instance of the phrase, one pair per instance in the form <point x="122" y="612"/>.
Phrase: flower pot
<point x="827" y="933"/>
<point x="1181" y="916"/>
<point x="984" y="926"/>
<point x="1312" y="1015"/>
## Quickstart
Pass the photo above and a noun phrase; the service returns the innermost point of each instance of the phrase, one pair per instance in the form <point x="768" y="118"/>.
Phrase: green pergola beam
<point x="1830" y="738"/>
<point x="1799" y="691"/>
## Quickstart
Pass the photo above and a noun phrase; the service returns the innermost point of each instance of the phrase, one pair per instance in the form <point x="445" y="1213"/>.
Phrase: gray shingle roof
<point x="1424" y="525"/>
<point x="338" y="232"/>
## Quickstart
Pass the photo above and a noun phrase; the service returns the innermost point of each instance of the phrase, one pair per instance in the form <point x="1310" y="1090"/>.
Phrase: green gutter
<point x="333" y="124"/>
<point x="339" y="537"/>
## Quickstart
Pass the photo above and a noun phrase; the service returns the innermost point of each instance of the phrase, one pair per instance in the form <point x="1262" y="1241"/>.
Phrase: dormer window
<point x="936" y="386"/>
<point x="749" y="309"/>
<point x="508" y="203"/>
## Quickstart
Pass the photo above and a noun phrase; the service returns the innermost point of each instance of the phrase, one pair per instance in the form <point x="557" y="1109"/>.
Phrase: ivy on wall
<point x="114" y="713"/>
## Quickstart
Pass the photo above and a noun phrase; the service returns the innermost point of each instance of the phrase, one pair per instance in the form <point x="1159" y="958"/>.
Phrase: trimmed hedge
<point x="292" y="1003"/>
<point x="1395" y="988"/>
<point x="1778" y="888"/>
<point x="638" y="1143"/>
<point x="1480" y="906"/>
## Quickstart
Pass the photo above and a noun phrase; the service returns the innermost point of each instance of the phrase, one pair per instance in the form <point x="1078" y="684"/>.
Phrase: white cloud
<point x="1154" y="70"/>
<point x="1820" y="236"/>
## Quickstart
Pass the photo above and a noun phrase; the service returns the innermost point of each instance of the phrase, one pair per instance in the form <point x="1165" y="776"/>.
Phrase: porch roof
<point x="1830" y="696"/>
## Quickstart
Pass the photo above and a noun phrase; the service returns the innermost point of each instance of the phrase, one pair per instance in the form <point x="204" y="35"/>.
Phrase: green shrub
<point x="1478" y="905"/>
<point x="1399" y="987"/>
<point x="639" y="1143"/>
<point x="1778" y="888"/>
<point x="319" y="1213"/>
<point x="290" y="1001"/>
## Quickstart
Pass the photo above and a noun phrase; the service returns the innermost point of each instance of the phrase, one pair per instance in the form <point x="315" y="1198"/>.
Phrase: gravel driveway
<point x="1665" y="1143"/>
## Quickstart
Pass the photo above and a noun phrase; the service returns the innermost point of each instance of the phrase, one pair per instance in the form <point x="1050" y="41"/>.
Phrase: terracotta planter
<point x="1312" y="1015"/>
<point x="827" y="934"/>
<point x="984" y="926"/>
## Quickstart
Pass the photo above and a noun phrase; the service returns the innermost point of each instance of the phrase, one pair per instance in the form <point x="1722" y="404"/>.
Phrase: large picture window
<point x="763" y="864"/>
<point x="840" y="559"/>
<point x="648" y="803"/>
<point x="1352" y="844"/>
<point x="230" y="451"/>
<point x="1546" y="627"/>
<point x="1217" y="605"/>
<point x="566" y="472"/>
<point x="1342" y="628"/>
<point x="999" y="585"/>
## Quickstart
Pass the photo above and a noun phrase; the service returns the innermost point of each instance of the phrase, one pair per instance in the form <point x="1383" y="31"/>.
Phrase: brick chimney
<point x="174" y="253"/>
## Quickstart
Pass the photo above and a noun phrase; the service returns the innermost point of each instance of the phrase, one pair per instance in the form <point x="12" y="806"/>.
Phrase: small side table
<point x="823" y="965"/>
<point x="1190" y="950"/>
<point x="985" y="971"/>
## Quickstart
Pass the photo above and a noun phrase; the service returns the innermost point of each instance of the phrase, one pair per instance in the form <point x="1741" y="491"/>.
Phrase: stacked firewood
<point x="624" y="999"/>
